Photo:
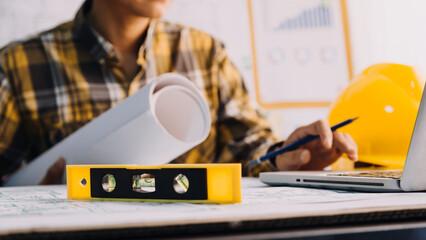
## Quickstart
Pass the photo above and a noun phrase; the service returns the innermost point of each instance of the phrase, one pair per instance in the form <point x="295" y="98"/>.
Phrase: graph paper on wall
<point x="300" y="48"/>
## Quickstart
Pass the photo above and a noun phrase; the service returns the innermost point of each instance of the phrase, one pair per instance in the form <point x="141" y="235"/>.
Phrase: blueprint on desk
<point x="24" y="209"/>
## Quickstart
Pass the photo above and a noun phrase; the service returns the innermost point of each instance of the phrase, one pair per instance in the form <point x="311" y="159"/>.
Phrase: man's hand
<point x="319" y="153"/>
<point x="54" y="173"/>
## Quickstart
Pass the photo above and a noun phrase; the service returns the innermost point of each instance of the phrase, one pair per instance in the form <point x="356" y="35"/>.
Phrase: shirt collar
<point x="147" y="44"/>
<point x="97" y="45"/>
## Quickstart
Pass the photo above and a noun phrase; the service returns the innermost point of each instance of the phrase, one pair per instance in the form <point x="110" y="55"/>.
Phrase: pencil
<point x="295" y="144"/>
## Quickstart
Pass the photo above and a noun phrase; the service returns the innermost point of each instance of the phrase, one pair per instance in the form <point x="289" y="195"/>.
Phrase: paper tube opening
<point x="180" y="114"/>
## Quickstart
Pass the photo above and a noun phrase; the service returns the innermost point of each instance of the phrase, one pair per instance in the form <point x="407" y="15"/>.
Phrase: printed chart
<point x="300" y="52"/>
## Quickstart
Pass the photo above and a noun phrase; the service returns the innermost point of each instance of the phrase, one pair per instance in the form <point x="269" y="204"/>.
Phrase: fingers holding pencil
<point x="318" y="153"/>
<point x="293" y="160"/>
<point x="320" y="128"/>
<point x="321" y="144"/>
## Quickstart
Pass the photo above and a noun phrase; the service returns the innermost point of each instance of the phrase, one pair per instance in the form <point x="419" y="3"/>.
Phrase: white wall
<point x="381" y="31"/>
<point x="387" y="31"/>
<point x="20" y="18"/>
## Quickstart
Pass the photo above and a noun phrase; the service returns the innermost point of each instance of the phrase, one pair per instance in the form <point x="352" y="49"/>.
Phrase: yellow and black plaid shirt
<point x="54" y="83"/>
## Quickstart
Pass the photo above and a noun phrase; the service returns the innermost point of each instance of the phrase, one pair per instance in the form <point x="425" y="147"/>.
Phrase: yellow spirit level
<point x="193" y="183"/>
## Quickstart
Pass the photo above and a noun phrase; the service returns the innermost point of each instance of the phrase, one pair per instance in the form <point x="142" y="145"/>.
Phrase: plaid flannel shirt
<point x="55" y="82"/>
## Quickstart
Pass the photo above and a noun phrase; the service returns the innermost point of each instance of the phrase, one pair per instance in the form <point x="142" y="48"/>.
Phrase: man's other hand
<point x="54" y="173"/>
<point x="319" y="153"/>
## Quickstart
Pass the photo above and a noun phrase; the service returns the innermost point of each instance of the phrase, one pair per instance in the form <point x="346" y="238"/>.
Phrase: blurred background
<point x="288" y="85"/>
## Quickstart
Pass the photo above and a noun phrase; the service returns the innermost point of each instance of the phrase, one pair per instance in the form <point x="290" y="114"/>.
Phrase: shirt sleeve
<point x="243" y="133"/>
<point x="13" y="141"/>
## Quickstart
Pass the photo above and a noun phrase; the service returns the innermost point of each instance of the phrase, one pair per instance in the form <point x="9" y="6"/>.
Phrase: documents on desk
<point x="45" y="208"/>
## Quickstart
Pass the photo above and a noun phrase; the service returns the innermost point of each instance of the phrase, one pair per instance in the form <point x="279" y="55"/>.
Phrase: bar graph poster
<point x="301" y="52"/>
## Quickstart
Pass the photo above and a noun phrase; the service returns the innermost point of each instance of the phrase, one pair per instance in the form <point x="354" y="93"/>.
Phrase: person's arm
<point x="14" y="140"/>
<point x="243" y="133"/>
<point x="13" y="143"/>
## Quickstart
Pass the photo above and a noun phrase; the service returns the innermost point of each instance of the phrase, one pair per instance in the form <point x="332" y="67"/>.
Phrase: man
<point x="54" y="83"/>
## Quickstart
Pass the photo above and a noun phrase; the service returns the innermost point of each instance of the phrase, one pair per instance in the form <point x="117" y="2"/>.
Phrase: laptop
<point x="411" y="178"/>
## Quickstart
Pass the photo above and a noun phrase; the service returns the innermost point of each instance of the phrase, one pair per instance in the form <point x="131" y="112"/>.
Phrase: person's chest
<point x="63" y="96"/>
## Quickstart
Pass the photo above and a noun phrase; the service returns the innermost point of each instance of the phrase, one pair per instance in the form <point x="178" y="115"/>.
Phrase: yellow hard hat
<point x="386" y="98"/>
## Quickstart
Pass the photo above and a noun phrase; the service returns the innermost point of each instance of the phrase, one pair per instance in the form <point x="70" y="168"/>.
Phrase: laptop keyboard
<point x="397" y="174"/>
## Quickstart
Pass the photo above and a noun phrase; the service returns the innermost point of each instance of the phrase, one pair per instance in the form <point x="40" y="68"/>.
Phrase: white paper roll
<point x="160" y="122"/>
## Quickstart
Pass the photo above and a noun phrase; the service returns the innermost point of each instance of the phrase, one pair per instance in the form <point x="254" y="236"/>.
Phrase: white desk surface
<point x="46" y="209"/>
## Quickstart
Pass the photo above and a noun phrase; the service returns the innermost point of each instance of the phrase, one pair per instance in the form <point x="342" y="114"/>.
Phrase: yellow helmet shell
<point x="386" y="98"/>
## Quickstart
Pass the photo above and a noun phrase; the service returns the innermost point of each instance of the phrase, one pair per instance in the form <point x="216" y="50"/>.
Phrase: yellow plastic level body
<point x="223" y="182"/>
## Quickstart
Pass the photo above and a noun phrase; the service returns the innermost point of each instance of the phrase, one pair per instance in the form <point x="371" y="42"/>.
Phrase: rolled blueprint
<point x="163" y="120"/>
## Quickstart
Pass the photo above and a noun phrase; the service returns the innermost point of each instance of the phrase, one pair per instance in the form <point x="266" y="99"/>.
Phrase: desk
<point x="266" y="212"/>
